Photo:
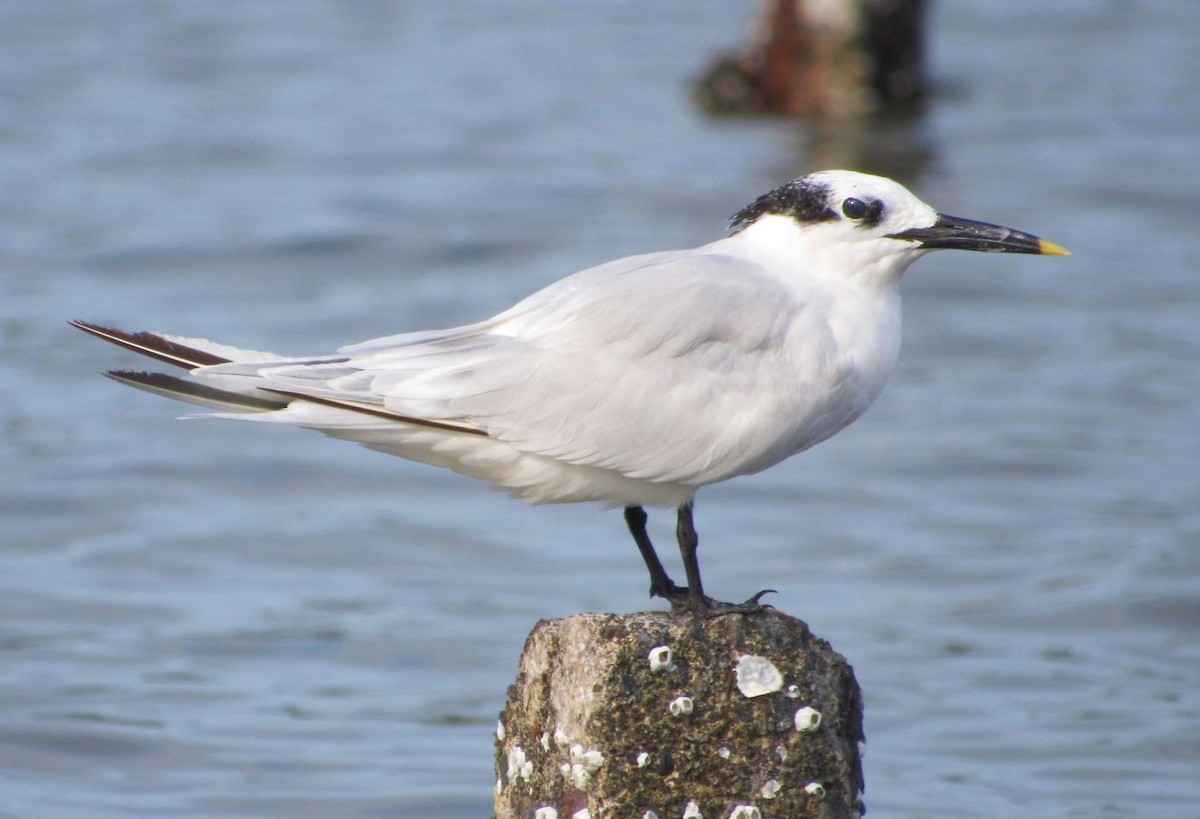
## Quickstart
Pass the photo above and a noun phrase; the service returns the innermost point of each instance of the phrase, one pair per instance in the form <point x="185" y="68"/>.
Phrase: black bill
<point x="953" y="232"/>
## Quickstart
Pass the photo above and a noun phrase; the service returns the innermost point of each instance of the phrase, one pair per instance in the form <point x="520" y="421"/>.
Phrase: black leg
<point x="690" y="599"/>
<point x="661" y="584"/>
<point x="689" y="542"/>
<point x="697" y="602"/>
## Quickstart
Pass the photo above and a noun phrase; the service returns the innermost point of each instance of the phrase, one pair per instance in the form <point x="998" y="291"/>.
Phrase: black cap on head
<point x="803" y="199"/>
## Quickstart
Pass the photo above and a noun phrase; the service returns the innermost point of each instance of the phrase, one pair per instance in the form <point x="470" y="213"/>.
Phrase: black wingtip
<point x="152" y="345"/>
<point x="182" y="389"/>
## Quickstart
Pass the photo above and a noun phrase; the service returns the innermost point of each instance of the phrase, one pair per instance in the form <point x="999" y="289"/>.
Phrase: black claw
<point x="753" y="601"/>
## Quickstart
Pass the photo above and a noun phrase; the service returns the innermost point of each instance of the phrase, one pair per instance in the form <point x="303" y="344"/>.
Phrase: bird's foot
<point x="683" y="602"/>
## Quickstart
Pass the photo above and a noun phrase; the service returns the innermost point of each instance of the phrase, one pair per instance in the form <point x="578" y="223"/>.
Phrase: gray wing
<point x="668" y="367"/>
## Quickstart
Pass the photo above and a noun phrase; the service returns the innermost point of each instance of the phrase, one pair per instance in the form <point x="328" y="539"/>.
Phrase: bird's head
<point x="856" y="224"/>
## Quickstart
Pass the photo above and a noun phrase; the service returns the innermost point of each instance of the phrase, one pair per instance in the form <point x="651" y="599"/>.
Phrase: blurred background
<point x="208" y="619"/>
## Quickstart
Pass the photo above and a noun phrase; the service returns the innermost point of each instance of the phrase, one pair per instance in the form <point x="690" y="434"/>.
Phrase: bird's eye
<point x="855" y="208"/>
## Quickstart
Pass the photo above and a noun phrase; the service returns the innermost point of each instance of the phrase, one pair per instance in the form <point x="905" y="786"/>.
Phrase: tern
<point x="633" y="383"/>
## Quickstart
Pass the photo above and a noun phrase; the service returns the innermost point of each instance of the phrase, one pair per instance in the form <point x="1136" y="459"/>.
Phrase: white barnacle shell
<point x="583" y="764"/>
<point x="757" y="676"/>
<point x="643" y="759"/>
<point x="499" y="786"/>
<point x="545" y="813"/>
<point x="660" y="659"/>
<point x="692" y="811"/>
<point x="583" y="813"/>
<point x="781" y="752"/>
<point x="561" y="739"/>
<point x="807" y="719"/>
<point x="723" y="752"/>
<point x="500" y="732"/>
<point x="815" y="789"/>
<point x="518" y="766"/>
<point x="545" y="740"/>
<point x="680" y="706"/>
<point x="771" y="789"/>
<point x="745" y="812"/>
<point x="580" y="777"/>
<point x="794" y="692"/>
<point x="649" y="815"/>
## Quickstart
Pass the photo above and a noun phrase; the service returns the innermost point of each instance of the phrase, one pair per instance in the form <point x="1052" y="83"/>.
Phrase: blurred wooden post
<point x="653" y="715"/>
<point x="822" y="57"/>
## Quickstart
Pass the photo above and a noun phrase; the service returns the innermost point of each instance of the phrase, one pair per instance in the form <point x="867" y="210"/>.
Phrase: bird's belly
<point x="532" y="477"/>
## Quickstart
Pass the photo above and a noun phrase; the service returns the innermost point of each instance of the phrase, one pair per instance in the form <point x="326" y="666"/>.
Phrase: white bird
<point x="632" y="383"/>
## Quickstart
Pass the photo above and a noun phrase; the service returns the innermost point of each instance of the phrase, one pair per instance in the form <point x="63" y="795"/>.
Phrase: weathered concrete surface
<point x="599" y="719"/>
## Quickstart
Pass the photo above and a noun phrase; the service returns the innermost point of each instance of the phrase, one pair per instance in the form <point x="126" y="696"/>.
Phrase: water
<point x="205" y="619"/>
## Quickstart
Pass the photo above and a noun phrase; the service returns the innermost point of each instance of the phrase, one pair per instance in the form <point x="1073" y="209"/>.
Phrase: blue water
<point x="208" y="619"/>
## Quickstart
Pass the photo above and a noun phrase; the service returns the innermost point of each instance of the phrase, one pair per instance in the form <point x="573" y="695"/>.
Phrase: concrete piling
<point x="678" y="717"/>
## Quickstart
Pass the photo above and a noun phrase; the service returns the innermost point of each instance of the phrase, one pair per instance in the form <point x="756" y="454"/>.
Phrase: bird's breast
<point x="838" y="360"/>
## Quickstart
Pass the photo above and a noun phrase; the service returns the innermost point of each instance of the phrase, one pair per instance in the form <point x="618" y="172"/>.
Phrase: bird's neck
<point x="815" y="257"/>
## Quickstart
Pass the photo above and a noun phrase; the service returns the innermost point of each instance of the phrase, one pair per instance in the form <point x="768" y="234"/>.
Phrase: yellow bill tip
<point x="1048" y="248"/>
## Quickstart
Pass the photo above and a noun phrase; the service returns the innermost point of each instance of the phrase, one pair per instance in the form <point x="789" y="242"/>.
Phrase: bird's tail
<point x="236" y="381"/>
<point x="190" y="354"/>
